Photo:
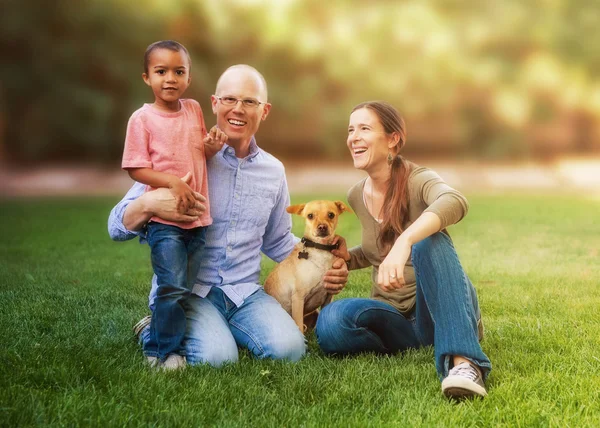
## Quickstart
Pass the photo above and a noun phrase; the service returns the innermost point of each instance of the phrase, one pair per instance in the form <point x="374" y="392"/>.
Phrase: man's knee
<point x="216" y="355"/>
<point x="208" y="339"/>
<point x="291" y="347"/>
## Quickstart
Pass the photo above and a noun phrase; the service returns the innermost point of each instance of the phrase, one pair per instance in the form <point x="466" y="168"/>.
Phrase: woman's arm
<point x="445" y="206"/>
<point x="354" y="257"/>
<point x="426" y="225"/>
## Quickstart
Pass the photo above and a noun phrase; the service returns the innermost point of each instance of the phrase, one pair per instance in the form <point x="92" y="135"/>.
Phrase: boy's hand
<point x="184" y="195"/>
<point x="213" y="142"/>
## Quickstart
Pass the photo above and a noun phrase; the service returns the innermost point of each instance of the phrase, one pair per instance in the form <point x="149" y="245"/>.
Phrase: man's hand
<point x="335" y="278"/>
<point x="213" y="142"/>
<point x="162" y="203"/>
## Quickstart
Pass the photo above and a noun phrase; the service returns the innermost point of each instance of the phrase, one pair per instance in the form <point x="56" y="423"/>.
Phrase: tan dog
<point x="297" y="282"/>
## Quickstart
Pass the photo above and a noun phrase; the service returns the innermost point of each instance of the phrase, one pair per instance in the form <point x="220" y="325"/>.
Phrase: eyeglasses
<point x="246" y="102"/>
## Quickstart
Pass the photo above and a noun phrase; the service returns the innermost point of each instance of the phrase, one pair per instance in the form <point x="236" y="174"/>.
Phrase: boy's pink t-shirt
<point x="171" y="143"/>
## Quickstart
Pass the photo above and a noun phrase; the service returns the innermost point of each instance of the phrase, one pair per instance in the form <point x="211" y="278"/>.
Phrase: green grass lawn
<point x="69" y="296"/>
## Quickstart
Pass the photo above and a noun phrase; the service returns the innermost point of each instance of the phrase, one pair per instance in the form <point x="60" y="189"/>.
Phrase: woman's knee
<point x="430" y="247"/>
<point x="330" y="319"/>
<point x="334" y="321"/>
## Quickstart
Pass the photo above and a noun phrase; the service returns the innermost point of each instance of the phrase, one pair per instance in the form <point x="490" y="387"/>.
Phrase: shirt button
<point x="229" y="248"/>
<point x="221" y="272"/>
<point x="232" y="223"/>
<point x="237" y="196"/>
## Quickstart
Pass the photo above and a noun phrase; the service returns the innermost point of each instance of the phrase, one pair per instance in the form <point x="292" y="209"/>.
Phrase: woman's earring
<point x="390" y="158"/>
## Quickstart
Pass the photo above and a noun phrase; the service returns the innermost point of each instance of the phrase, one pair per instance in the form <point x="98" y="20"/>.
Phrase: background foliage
<point x="507" y="79"/>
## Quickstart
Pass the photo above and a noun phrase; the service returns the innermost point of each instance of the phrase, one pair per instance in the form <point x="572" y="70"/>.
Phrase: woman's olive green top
<point x="427" y="192"/>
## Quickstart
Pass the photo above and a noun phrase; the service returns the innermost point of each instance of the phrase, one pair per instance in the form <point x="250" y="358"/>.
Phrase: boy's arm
<point x="213" y="142"/>
<point x="184" y="195"/>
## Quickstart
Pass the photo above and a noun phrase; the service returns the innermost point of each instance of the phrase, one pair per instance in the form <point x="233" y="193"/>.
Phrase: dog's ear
<point x="295" y="209"/>
<point x="342" y="207"/>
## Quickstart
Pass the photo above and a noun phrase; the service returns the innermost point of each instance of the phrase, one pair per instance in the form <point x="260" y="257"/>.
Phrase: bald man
<point x="248" y="195"/>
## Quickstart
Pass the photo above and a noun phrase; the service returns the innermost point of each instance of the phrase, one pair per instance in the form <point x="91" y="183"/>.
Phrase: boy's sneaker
<point x="140" y="326"/>
<point x="464" y="381"/>
<point x="153" y="362"/>
<point x="173" y="362"/>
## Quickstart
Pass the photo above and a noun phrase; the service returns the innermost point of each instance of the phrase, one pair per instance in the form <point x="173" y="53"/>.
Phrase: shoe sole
<point x="462" y="388"/>
<point x="480" y="329"/>
<point x="178" y="365"/>
<point x="141" y="325"/>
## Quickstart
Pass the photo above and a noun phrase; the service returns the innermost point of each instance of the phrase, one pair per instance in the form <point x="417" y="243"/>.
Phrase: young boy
<point x="166" y="140"/>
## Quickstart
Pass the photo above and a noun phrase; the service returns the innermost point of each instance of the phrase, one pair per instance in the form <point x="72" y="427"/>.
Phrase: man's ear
<point x="213" y="101"/>
<point x="266" y="110"/>
<point x="342" y="207"/>
<point x="295" y="209"/>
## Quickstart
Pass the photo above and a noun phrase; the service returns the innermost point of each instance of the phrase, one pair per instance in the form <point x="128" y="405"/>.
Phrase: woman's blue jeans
<point x="445" y="315"/>
<point x="176" y="260"/>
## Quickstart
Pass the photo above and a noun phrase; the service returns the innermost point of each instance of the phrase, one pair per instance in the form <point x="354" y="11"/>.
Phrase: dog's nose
<point x="322" y="229"/>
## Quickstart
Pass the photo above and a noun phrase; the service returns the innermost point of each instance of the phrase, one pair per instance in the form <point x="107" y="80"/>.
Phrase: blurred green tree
<point x="493" y="79"/>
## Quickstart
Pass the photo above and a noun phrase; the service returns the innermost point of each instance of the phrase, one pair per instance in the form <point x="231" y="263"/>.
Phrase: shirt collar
<point x="253" y="151"/>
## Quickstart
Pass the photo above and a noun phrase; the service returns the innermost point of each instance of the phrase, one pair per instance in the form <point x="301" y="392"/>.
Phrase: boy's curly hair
<point x="172" y="45"/>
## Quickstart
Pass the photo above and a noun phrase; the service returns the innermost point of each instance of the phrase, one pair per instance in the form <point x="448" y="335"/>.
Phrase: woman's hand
<point x="335" y="278"/>
<point x="391" y="270"/>
<point x="342" y="251"/>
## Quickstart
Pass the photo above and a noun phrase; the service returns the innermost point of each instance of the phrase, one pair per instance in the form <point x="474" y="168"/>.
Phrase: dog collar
<point x="311" y="244"/>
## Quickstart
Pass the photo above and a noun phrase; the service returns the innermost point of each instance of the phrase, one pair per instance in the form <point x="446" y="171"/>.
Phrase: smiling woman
<point x="420" y="293"/>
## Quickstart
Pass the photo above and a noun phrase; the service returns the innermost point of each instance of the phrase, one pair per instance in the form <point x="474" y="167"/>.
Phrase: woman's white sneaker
<point x="464" y="381"/>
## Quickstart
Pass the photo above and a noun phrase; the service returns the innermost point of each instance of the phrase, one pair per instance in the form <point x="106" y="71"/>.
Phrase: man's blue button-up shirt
<point x="248" y="198"/>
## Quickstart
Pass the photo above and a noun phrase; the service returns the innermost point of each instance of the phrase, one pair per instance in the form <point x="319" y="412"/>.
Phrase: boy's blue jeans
<point x="175" y="254"/>
<point x="445" y="314"/>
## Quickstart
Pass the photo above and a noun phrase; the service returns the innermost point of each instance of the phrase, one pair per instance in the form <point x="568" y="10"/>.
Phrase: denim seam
<point x="250" y="335"/>
<point x="355" y="320"/>
<point x="416" y="269"/>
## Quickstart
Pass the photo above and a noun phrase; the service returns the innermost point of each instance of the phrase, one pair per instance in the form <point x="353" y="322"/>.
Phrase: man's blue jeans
<point x="175" y="256"/>
<point x="216" y="328"/>
<point x="445" y="314"/>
